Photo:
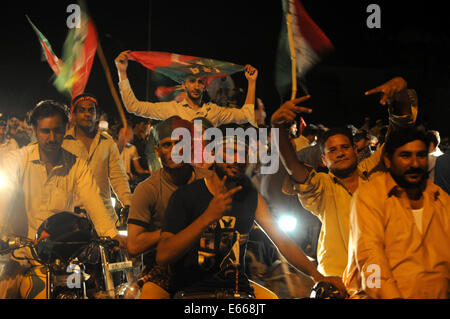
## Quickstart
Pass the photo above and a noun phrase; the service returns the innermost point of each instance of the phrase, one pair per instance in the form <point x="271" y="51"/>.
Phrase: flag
<point x="309" y="41"/>
<point x="47" y="51"/>
<point x="79" y="51"/>
<point x="169" y="93"/>
<point x="177" y="67"/>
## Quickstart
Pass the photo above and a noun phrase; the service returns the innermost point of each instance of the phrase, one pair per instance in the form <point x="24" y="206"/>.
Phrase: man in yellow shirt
<point x="328" y="196"/>
<point x="41" y="180"/>
<point x="400" y="228"/>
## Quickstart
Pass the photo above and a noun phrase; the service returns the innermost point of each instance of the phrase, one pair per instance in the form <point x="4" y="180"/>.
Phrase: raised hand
<point x="289" y="110"/>
<point x="122" y="61"/>
<point x="222" y="201"/>
<point x="251" y="73"/>
<point x="393" y="90"/>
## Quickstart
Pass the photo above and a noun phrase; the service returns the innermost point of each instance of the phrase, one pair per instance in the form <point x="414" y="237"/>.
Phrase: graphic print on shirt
<point x="221" y="246"/>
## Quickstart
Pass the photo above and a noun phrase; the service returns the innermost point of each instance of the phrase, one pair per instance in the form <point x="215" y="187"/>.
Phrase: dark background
<point x="413" y="42"/>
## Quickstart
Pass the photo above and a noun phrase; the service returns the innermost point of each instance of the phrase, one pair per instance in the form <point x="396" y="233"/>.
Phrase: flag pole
<point x="112" y="88"/>
<point x="292" y="50"/>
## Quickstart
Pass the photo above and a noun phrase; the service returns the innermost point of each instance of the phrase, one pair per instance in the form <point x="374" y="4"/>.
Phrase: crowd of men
<point x="374" y="199"/>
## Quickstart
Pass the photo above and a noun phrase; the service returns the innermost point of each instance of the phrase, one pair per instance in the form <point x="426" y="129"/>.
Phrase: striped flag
<point x="177" y="67"/>
<point x="309" y="41"/>
<point x="78" y="56"/>
<point x="47" y="51"/>
<point x="72" y="71"/>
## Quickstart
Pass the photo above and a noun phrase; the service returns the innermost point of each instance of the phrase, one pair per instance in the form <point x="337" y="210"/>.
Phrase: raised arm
<point x="281" y="119"/>
<point x="247" y="112"/>
<point x="159" y="111"/>
<point x="251" y="74"/>
<point x="180" y="236"/>
<point x="402" y="102"/>
<point x="122" y="65"/>
<point x="293" y="254"/>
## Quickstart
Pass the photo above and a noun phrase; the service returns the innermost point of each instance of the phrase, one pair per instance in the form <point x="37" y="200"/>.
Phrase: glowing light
<point x="123" y="232"/>
<point x="287" y="223"/>
<point x="113" y="201"/>
<point x="3" y="181"/>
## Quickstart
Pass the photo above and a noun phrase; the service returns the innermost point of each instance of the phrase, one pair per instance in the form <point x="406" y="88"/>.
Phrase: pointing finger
<point x="300" y="99"/>
<point x="233" y="191"/>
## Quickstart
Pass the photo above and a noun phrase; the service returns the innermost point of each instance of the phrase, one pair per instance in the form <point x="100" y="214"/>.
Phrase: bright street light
<point x="287" y="223"/>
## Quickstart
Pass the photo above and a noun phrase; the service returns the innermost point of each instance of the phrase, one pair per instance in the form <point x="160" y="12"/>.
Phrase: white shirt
<point x="104" y="160"/>
<point x="129" y="153"/>
<point x="30" y="195"/>
<point x="216" y="114"/>
<point x="9" y="144"/>
<point x="417" y="214"/>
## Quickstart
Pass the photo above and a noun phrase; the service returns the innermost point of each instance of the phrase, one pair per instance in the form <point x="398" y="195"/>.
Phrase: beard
<point x="404" y="183"/>
<point x="238" y="179"/>
<point x="180" y="174"/>
<point x="344" y="172"/>
<point x="199" y="97"/>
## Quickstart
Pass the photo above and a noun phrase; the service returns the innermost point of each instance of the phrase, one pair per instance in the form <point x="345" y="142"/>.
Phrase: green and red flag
<point x="78" y="55"/>
<point x="72" y="71"/>
<point x="178" y="67"/>
<point x="308" y="41"/>
<point x="47" y="51"/>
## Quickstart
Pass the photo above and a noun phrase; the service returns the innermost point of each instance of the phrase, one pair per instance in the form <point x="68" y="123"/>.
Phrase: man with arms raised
<point x="328" y="195"/>
<point x="193" y="106"/>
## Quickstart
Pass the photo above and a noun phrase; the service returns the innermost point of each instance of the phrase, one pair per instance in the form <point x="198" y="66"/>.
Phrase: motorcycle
<point x="78" y="263"/>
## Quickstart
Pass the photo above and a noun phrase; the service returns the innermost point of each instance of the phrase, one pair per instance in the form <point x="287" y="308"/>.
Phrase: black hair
<point x="80" y="96"/>
<point x="48" y="108"/>
<point x="310" y="129"/>
<point x="248" y="138"/>
<point x="361" y="134"/>
<point x="382" y="134"/>
<point x="343" y="130"/>
<point x="115" y="129"/>
<point x="401" y="136"/>
<point x="139" y="119"/>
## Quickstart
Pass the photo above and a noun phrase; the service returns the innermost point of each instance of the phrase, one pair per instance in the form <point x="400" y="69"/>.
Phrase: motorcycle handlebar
<point x="14" y="243"/>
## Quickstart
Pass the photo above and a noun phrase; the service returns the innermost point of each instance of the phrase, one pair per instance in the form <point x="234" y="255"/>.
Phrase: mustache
<point x="415" y="171"/>
<point x="240" y="167"/>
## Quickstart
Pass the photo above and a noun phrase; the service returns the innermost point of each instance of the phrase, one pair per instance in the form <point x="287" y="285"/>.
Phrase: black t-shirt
<point x="208" y="265"/>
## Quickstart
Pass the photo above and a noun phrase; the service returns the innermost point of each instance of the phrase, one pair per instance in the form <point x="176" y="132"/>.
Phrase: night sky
<point x="413" y="42"/>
